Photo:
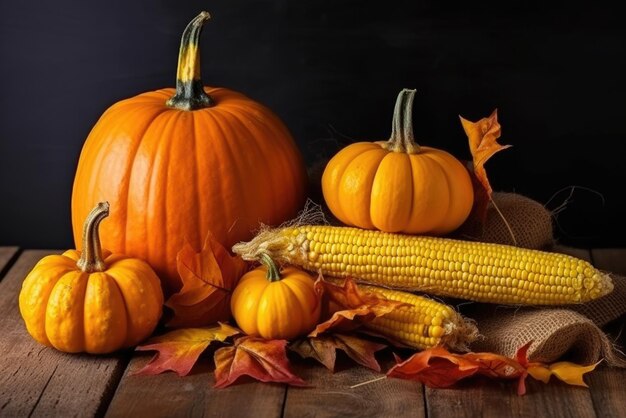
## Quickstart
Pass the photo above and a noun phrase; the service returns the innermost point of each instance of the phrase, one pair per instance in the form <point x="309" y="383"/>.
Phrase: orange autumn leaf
<point x="437" y="367"/>
<point x="352" y="307"/>
<point x="208" y="277"/>
<point x="495" y="365"/>
<point x="324" y="349"/>
<point x="179" y="350"/>
<point x="483" y="142"/>
<point x="263" y="360"/>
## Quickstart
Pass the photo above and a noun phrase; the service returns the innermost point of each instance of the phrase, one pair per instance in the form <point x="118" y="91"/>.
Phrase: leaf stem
<point x="368" y="382"/>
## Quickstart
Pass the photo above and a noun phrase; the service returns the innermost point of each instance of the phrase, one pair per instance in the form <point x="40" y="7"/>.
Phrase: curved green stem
<point x="273" y="273"/>
<point x="402" y="139"/>
<point x="190" y="94"/>
<point x="91" y="256"/>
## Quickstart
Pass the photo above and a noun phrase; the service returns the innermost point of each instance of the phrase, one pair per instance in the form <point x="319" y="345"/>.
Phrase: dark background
<point x="331" y="70"/>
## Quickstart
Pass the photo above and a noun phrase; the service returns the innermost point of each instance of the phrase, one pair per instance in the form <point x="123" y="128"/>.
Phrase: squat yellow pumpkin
<point x="87" y="302"/>
<point x="275" y="304"/>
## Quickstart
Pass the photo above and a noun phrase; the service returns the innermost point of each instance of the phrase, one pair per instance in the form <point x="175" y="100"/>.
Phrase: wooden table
<point x="39" y="381"/>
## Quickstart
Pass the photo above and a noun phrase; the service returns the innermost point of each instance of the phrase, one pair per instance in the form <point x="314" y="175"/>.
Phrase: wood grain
<point x="483" y="398"/>
<point x="330" y="394"/>
<point x="607" y="391"/>
<point x="6" y="255"/>
<point x="40" y="381"/>
<point x="607" y="384"/>
<point x="168" y="395"/>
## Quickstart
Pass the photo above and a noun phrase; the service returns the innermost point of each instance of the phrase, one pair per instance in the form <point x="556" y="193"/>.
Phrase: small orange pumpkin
<point x="275" y="304"/>
<point x="84" y="302"/>
<point x="176" y="163"/>
<point x="397" y="185"/>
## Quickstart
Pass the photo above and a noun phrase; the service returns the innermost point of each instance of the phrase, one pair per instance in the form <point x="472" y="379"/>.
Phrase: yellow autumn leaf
<point x="540" y="373"/>
<point x="571" y="373"/>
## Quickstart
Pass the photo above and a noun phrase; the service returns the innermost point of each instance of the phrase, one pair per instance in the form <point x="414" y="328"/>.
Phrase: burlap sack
<point x="571" y="332"/>
<point x="557" y="334"/>
<point x="529" y="222"/>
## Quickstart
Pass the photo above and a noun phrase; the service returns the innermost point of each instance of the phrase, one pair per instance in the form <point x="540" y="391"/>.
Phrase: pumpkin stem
<point x="91" y="257"/>
<point x="273" y="274"/>
<point x="402" y="139"/>
<point x="190" y="94"/>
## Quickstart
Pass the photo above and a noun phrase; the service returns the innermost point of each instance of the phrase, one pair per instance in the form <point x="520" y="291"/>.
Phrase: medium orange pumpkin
<point x="91" y="301"/>
<point x="176" y="163"/>
<point x="397" y="185"/>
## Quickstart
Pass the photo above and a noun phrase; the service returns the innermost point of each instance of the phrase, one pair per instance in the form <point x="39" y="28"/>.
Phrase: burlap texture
<point x="530" y="223"/>
<point x="563" y="333"/>
<point x="557" y="334"/>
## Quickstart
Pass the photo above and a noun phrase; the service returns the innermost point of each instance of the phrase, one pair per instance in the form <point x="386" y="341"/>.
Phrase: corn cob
<point x="424" y="324"/>
<point x="475" y="271"/>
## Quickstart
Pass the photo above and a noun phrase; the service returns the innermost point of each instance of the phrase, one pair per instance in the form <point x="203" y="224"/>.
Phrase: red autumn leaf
<point x="324" y="349"/>
<point x="497" y="366"/>
<point x="208" y="277"/>
<point x="435" y="367"/>
<point x="483" y="142"/>
<point x="521" y="355"/>
<point x="352" y="306"/>
<point x="179" y="350"/>
<point x="263" y="360"/>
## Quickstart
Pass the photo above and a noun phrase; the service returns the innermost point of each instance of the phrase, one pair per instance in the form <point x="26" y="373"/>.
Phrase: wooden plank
<point x="607" y="384"/>
<point x="6" y="255"/>
<point x="483" y="398"/>
<point x="610" y="259"/>
<point x="331" y="395"/>
<point x="168" y="395"/>
<point x="40" y="381"/>
<point x="607" y="391"/>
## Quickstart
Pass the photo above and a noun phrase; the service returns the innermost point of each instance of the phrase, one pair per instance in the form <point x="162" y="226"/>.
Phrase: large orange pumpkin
<point x="176" y="163"/>
<point x="397" y="185"/>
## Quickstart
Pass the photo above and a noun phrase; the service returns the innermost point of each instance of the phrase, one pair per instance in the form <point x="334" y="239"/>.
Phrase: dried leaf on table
<point x="438" y="368"/>
<point x="179" y="350"/>
<point x="208" y="277"/>
<point x="435" y="367"/>
<point x="354" y="307"/>
<point x="570" y="373"/>
<point x="324" y="348"/>
<point x="263" y="360"/>
<point x="483" y="142"/>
